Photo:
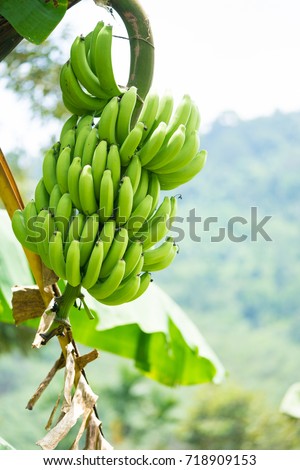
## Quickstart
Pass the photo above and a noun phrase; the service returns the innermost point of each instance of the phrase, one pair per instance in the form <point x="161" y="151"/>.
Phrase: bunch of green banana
<point x="87" y="222"/>
<point x="96" y="218"/>
<point x="98" y="256"/>
<point x="87" y="79"/>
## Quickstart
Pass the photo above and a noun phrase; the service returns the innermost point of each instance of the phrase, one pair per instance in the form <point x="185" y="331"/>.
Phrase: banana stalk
<point x="141" y="42"/>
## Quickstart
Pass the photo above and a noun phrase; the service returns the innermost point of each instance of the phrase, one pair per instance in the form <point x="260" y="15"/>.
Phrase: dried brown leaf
<point x="94" y="438"/>
<point x="48" y="276"/>
<point x="59" y="364"/>
<point x="27" y="303"/>
<point x="69" y="377"/>
<point x="50" y="420"/>
<point x="83" y="401"/>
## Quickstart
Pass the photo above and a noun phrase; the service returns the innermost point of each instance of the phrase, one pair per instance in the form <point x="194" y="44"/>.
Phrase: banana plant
<point x="151" y="329"/>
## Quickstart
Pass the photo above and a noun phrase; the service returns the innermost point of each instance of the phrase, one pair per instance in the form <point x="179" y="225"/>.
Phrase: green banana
<point x="109" y="285"/>
<point x="54" y="199"/>
<point x="19" y="229"/>
<point x="82" y="69"/>
<point x="139" y="216"/>
<point x="40" y="238"/>
<point x="108" y="119"/>
<point x="194" y="120"/>
<point x="72" y="90"/>
<point x="134" y="170"/>
<point x="41" y="196"/>
<point x="73" y="182"/>
<point x="29" y="213"/>
<point x="148" y="112"/>
<point x="154" y="191"/>
<point x="48" y="227"/>
<point x="87" y="42"/>
<point x="156" y="232"/>
<point x="116" y="252"/>
<point x="88" y="237"/>
<point x="139" y="267"/>
<point x="163" y="262"/>
<point x="180" y="116"/>
<point x="185" y="154"/>
<point x="49" y="170"/>
<point x="158" y="253"/>
<point x="156" y="228"/>
<point x="86" y="120"/>
<point x="163" y="209"/>
<point x="33" y="221"/>
<point x="168" y="151"/>
<point x="142" y="189"/>
<point x="173" y="180"/>
<point x="126" y="291"/>
<point x="90" y="145"/>
<point x="106" y="197"/>
<point x="62" y="168"/>
<point x="63" y="214"/>
<point x="70" y="123"/>
<point x="131" y="143"/>
<point x="124" y="201"/>
<point x="132" y="256"/>
<point x="107" y="235"/>
<point x="69" y="104"/>
<point x="92" y="58"/>
<point x="69" y="140"/>
<point x="126" y="109"/>
<point x="113" y="164"/>
<point x="81" y="138"/>
<point x="99" y="165"/>
<point x="93" y="267"/>
<point x="145" y="280"/>
<point x="150" y="148"/>
<point x="73" y="274"/>
<point x="173" y="210"/>
<point x="164" y="112"/>
<point x="75" y="230"/>
<point x="56" y="255"/>
<point x="86" y="191"/>
<point x="103" y="62"/>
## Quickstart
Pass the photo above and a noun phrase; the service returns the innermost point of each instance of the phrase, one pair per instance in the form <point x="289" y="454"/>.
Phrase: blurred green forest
<point x="243" y="296"/>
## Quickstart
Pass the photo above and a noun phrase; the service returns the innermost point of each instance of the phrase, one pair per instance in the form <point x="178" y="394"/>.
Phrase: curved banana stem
<point x="141" y="42"/>
<point x="140" y="36"/>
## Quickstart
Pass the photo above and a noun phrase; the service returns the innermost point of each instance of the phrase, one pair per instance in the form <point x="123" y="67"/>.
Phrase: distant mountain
<point x="245" y="294"/>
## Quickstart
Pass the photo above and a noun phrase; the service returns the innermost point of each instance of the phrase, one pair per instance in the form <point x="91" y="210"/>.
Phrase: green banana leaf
<point x="33" y="19"/>
<point x="152" y="331"/>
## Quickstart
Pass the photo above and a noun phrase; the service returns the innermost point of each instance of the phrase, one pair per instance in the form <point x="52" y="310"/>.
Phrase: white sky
<point x="240" y="55"/>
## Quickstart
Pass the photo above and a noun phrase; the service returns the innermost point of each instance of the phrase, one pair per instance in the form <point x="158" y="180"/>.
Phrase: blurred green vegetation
<point x="243" y="296"/>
